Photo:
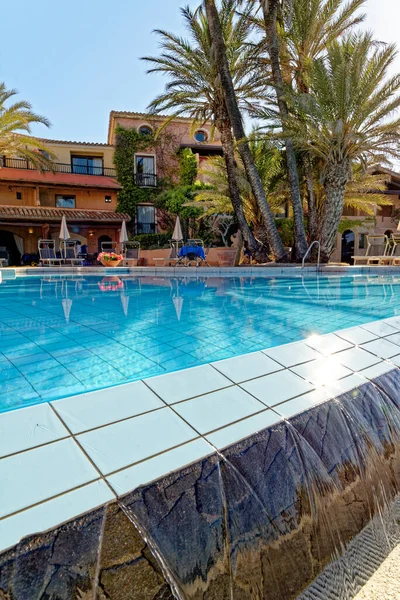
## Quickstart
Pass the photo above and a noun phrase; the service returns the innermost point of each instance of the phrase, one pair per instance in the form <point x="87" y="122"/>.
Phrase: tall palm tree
<point x="194" y="88"/>
<point x="310" y="26"/>
<point x="347" y="116"/>
<point x="15" y="122"/>
<point x="271" y="9"/>
<point x="220" y="56"/>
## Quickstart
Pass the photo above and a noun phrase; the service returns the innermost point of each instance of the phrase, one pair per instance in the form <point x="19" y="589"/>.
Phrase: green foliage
<point x="151" y="241"/>
<point x="128" y="143"/>
<point x="285" y="228"/>
<point x="16" y="120"/>
<point x="178" y="201"/>
<point x="352" y="223"/>
<point x="187" y="167"/>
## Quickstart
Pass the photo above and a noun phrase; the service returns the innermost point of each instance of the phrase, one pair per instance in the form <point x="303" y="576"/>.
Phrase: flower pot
<point x="226" y="257"/>
<point x="110" y="263"/>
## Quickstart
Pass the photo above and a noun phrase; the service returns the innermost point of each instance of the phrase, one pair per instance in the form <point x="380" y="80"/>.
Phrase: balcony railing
<point x="146" y="179"/>
<point x="21" y="163"/>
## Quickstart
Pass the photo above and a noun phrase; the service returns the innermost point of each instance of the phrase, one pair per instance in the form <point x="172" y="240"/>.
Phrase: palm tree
<point x="347" y="117"/>
<point x="220" y="56"/>
<point x="215" y="198"/>
<point x="15" y="122"/>
<point x="271" y="9"/>
<point x="195" y="89"/>
<point x="310" y="26"/>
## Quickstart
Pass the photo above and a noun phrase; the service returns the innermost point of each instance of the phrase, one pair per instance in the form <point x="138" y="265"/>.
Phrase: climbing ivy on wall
<point x="129" y="142"/>
<point x="187" y="167"/>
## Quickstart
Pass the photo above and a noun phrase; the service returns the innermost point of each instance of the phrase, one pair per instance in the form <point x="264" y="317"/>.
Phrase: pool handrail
<point x="314" y="243"/>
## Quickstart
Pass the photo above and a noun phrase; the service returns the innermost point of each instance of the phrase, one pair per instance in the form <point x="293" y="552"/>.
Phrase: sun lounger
<point x="69" y="253"/>
<point x="109" y="246"/>
<point x="377" y="251"/>
<point x="193" y="253"/>
<point x="131" y="254"/>
<point x="173" y="259"/>
<point x="47" y="253"/>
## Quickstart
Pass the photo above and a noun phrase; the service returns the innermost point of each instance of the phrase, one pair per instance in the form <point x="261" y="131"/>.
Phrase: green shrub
<point x="285" y="228"/>
<point x="152" y="241"/>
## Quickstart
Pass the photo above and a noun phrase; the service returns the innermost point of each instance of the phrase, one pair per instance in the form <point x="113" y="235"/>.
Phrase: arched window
<point x="145" y="130"/>
<point x="201" y="136"/>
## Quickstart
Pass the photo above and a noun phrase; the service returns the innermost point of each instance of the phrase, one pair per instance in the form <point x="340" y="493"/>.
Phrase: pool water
<point x="63" y="335"/>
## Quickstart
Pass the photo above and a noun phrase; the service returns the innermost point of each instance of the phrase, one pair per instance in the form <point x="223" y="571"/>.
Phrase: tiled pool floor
<point x="61" y="336"/>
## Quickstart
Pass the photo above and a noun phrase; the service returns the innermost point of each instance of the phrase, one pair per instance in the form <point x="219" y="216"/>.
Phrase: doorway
<point x="103" y="238"/>
<point x="348" y="247"/>
<point x="7" y="241"/>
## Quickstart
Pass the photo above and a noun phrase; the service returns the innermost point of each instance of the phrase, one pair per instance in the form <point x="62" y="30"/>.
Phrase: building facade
<point x="353" y="241"/>
<point x="81" y="186"/>
<point x="162" y="161"/>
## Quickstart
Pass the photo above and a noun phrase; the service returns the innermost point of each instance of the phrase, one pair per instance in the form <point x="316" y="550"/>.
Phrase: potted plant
<point x="110" y="259"/>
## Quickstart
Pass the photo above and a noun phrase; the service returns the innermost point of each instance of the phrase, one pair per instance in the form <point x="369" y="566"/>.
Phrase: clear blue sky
<point x="77" y="60"/>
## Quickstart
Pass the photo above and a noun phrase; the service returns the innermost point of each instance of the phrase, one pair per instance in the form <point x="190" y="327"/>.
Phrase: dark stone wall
<point x="259" y="521"/>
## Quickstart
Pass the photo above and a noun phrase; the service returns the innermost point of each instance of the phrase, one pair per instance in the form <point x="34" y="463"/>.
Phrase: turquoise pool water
<point x="63" y="335"/>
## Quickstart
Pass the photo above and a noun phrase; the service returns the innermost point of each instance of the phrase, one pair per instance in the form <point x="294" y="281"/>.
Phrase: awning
<point x="64" y="179"/>
<point x="45" y="214"/>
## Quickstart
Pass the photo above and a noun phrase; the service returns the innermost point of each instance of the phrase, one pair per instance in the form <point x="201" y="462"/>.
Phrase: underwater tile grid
<point x="64" y="458"/>
<point x="64" y="335"/>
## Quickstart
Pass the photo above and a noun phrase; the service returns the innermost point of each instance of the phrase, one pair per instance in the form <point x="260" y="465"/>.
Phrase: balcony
<point x="21" y="163"/>
<point x="146" y="179"/>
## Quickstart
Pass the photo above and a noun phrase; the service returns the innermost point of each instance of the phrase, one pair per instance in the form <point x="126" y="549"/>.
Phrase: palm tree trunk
<point x="270" y="12"/>
<point x="335" y="180"/>
<point x="256" y="248"/>
<point x="311" y="201"/>
<point x="218" y="44"/>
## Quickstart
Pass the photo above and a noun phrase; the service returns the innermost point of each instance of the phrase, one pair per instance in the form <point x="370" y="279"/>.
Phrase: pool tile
<point x="217" y="409"/>
<point x="377" y="370"/>
<point x="41" y="473"/>
<point x="394" y="339"/>
<point x="53" y="512"/>
<point x="149" y="470"/>
<point x="379" y="328"/>
<point x="247" y="366"/>
<point x="328" y="344"/>
<point x="357" y="359"/>
<point x="322" y="371"/>
<point x="393" y="322"/>
<point x="232" y="433"/>
<point x="277" y="387"/>
<point x="122" y="444"/>
<point x="292" y="354"/>
<point x="293" y="407"/>
<point x="92" y="410"/>
<point x="29" y="427"/>
<point x="342" y="386"/>
<point x="182" y="385"/>
<point x="356" y="335"/>
<point x="382" y="348"/>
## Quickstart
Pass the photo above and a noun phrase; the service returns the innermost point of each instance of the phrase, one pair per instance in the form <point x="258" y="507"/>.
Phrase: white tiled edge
<point x="279" y="383"/>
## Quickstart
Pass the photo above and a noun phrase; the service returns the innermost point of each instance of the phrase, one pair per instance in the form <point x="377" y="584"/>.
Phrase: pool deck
<point x="61" y="459"/>
<point x="273" y="270"/>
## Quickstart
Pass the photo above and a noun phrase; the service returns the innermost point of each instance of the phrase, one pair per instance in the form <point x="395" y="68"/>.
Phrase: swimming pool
<point x="65" y="335"/>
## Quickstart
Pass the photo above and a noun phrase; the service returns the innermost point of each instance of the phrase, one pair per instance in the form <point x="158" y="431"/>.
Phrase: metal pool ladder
<point x="315" y="242"/>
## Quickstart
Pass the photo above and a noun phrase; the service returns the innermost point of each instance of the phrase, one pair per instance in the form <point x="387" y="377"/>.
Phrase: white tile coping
<point x="272" y="270"/>
<point x="65" y="458"/>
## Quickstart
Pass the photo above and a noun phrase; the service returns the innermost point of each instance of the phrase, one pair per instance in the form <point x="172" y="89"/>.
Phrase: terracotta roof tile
<point x="44" y="213"/>
<point x="47" y="141"/>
